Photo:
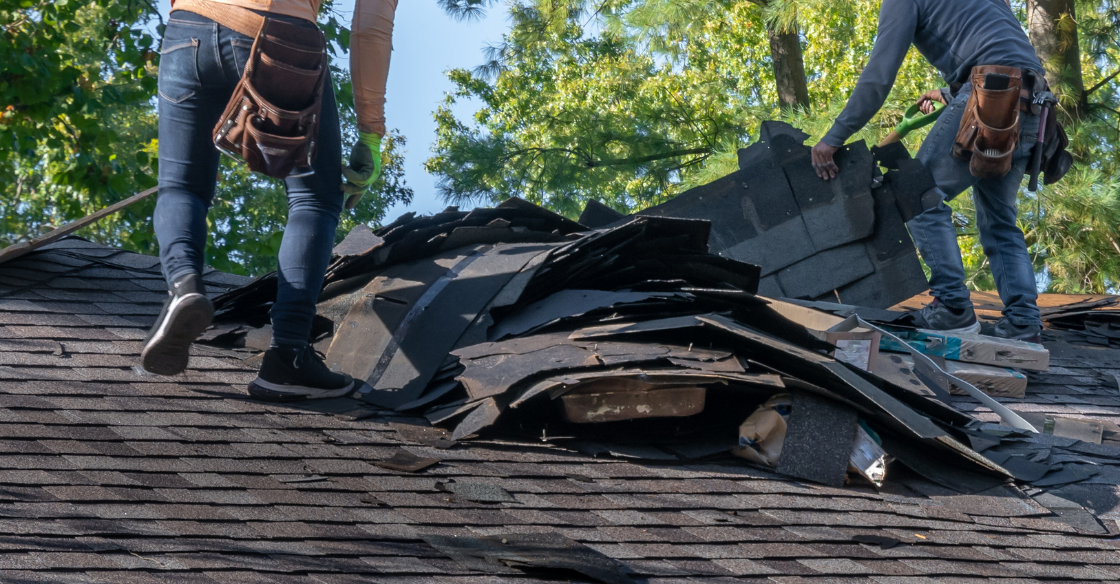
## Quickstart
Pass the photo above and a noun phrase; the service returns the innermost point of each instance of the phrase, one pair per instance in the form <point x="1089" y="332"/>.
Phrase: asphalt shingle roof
<point x="111" y="475"/>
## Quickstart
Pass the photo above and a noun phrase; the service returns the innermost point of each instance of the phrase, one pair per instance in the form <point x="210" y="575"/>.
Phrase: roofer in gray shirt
<point x="955" y="36"/>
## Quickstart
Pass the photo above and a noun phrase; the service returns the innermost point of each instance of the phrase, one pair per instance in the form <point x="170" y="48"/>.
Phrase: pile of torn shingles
<point x="112" y="476"/>
<point x="1095" y="321"/>
<point x="635" y="341"/>
<point x="843" y="239"/>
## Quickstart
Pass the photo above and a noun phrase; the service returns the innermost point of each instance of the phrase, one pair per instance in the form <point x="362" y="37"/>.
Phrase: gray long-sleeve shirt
<point x="953" y="35"/>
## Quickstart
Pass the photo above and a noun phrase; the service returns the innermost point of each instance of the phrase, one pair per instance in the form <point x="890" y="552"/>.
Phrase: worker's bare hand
<point x="925" y="102"/>
<point x="823" y="163"/>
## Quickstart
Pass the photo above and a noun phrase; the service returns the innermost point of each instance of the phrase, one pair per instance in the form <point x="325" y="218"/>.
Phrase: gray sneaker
<point x="1005" y="329"/>
<point x="185" y="315"/>
<point x="939" y="317"/>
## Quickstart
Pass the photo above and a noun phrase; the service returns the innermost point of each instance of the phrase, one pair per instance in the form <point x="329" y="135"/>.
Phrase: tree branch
<point x="650" y="158"/>
<point x="538" y="151"/>
<point x="1105" y="107"/>
<point x="1102" y="83"/>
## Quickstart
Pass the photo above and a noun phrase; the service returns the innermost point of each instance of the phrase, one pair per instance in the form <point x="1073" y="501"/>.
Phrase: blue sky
<point x="426" y="43"/>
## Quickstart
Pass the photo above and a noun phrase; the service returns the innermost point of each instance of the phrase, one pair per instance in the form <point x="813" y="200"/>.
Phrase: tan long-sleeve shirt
<point x="371" y="42"/>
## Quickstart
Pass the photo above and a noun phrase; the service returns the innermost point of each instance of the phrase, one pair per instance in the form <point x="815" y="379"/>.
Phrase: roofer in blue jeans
<point x="954" y="36"/>
<point x="202" y="59"/>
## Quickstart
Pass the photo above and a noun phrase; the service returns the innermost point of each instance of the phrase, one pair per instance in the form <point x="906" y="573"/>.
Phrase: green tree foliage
<point x="78" y="132"/>
<point x="633" y="101"/>
<point x="68" y="69"/>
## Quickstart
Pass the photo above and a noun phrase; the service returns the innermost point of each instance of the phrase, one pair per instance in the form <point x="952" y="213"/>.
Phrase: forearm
<point x="371" y="44"/>
<point x="865" y="101"/>
<point x="897" y="23"/>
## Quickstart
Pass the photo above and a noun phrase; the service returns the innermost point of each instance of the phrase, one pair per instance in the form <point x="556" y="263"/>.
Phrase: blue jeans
<point x="996" y="212"/>
<point x="201" y="63"/>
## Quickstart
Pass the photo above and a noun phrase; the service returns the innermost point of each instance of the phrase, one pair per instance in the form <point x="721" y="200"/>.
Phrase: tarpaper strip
<point x="417" y="309"/>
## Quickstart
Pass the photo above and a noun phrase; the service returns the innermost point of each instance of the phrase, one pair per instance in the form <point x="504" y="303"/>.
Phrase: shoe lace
<point x="928" y="309"/>
<point x="310" y="356"/>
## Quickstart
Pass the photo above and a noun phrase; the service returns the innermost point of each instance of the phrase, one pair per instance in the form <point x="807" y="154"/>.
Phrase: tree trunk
<point x="789" y="69"/>
<point x="789" y="65"/>
<point x="1052" y="25"/>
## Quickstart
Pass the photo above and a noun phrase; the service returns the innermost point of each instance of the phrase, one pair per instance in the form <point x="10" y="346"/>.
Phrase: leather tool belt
<point x="989" y="130"/>
<point x="272" y="119"/>
<point x="1056" y="161"/>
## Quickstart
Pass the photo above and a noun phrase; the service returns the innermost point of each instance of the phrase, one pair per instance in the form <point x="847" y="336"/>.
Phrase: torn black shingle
<point x="776" y="213"/>
<point x="597" y="215"/>
<point x="818" y="440"/>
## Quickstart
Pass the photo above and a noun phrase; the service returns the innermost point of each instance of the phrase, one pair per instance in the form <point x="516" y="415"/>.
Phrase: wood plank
<point x="988" y="304"/>
<point x="14" y="251"/>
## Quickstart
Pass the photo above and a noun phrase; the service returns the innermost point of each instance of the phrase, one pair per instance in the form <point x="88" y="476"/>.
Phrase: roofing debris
<point x="1096" y="321"/>
<point x="634" y="340"/>
<point x="114" y="476"/>
<point x="521" y="331"/>
<point x="406" y="461"/>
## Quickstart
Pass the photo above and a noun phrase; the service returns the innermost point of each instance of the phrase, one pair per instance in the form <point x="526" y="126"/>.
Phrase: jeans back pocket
<point x="178" y="64"/>
<point x="242" y="47"/>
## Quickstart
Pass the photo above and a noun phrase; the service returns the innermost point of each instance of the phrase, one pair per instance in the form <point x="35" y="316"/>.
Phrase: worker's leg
<point x="1000" y="236"/>
<point x="194" y="86"/>
<point x="933" y="231"/>
<point x="192" y="95"/>
<point x="314" y="206"/>
<point x="291" y="370"/>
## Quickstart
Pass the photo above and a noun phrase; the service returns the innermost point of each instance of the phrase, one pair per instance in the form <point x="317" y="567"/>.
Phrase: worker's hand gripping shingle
<point x="364" y="167"/>
<point x="823" y="163"/>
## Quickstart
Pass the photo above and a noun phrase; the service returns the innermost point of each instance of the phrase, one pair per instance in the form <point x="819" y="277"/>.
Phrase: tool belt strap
<point x="1025" y="98"/>
<point x="236" y="18"/>
<point x="1026" y="93"/>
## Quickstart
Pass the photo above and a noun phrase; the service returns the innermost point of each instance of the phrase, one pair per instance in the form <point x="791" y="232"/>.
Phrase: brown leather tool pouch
<point x="272" y="119"/>
<point x="989" y="130"/>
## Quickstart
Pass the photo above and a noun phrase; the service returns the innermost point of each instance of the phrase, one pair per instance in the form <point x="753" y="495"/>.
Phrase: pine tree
<point x="633" y="101"/>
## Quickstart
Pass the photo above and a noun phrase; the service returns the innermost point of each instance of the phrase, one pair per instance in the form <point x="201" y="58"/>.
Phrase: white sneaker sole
<point x="168" y="351"/>
<point x="971" y="329"/>
<point x="269" y="391"/>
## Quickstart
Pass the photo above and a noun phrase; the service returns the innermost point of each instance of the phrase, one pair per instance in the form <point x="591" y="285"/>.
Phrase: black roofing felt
<point x="110" y="475"/>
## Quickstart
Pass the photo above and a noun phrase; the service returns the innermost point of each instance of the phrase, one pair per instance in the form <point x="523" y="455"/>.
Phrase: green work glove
<point x="364" y="168"/>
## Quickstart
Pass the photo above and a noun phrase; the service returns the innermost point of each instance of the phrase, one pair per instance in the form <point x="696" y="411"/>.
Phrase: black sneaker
<point x="297" y="374"/>
<point x="939" y="317"/>
<point x="1005" y="329"/>
<point x="186" y="313"/>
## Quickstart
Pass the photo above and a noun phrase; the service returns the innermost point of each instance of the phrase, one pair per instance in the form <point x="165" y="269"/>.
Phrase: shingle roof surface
<point x="111" y="475"/>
